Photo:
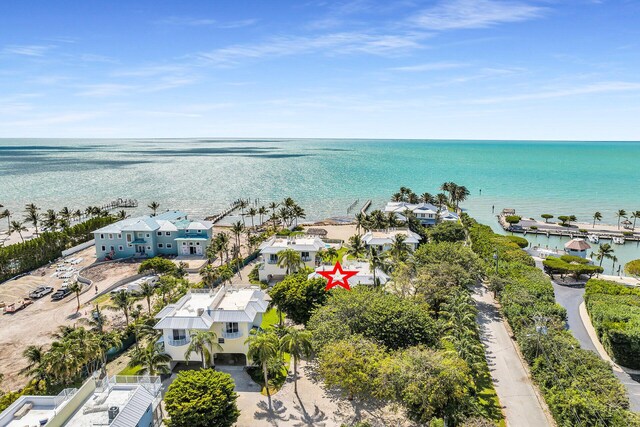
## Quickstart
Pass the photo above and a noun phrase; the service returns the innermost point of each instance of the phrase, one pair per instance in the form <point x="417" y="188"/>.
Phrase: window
<point x="184" y="243"/>
<point x="199" y="231"/>
<point x="128" y="237"/>
<point x="113" y="248"/>
<point x="148" y="235"/>
<point x="119" y="236"/>
<point x="168" y="233"/>
<point x="220" y="340"/>
<point x="198" y="243"/>
<point x="120" y="248"/>
<point x="160" y="245"/>
<point x="149" y="248"/>
<point x="304" y="255"/>
<point x="104" y="248"/>
<point x="159" y="233"/>
<point x="110" y="236"/>
<point x="273" y="258"/>
<point x="179" y="334"/>
<point x="232" y="327"/>
<point x="169" y="245"/>
<point x="102" y="236"/>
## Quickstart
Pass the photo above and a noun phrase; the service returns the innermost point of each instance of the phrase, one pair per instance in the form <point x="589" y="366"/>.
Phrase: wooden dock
<point x="120" y="204"/>
<point x="365" y="207"/>
<point x="216" y="218"/>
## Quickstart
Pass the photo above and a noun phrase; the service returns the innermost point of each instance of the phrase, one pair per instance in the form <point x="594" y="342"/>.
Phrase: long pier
<point x="216" y="218"/>
<point x="365" y="207"/>
<point x="564" y="232"/>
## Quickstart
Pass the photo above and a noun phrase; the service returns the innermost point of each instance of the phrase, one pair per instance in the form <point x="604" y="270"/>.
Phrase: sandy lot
<point x="35" y="324"/>
<point x="341" y="232"/>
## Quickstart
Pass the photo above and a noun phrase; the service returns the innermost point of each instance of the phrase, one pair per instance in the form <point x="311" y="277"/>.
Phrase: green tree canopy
<point x="157" y="265"/>
<point x="297" y="296"/>
<point x="632" y="268"/>
<point x="202" y="398"/>
<point x="447" y="231"/>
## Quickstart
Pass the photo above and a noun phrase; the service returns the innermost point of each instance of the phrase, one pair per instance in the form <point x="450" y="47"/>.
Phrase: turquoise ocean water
<point x="202" y="176"/>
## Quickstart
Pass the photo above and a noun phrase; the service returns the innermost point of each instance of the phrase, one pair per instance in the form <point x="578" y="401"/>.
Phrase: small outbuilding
<point x="577" y="247"/>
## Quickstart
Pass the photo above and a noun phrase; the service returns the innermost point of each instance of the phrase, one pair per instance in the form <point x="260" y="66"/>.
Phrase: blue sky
<point x="483" y="69"/>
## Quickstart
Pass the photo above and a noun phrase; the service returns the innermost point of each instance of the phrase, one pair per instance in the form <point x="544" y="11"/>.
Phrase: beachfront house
<point x="169" y="233"/>
<point x="427" y="213"/>
<point x="364" y="276"/>
<point x="306" y="246"/>
<point x="577" y="247"/>
<point x="118" y="401"/>
<point x="382" y="240"/>
<point x="231" y="312"/>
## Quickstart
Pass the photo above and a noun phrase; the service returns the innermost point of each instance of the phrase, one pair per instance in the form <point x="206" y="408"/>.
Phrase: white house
<point x="426" y="213"/>
<point x="306" y="246"/>
<point x="364" y="276"/>
<point x="231" y="312"/>
<point x="383" y="239"/>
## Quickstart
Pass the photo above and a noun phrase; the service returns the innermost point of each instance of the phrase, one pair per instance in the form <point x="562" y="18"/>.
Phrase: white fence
<point x="78" y="248"/>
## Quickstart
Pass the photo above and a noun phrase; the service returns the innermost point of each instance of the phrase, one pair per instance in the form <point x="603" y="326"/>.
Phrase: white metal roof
<point x="134" y="409"/>
<point x="299" y="244"/>
<point x="384" y="237"/>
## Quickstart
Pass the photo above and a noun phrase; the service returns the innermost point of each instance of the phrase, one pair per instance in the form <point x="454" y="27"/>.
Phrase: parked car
<point x="13" y="307"/>
<point x="59" y="294"/>
<point x="40" y="291"/>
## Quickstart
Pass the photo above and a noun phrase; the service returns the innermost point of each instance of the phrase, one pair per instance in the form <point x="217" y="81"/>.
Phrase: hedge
<point x="579" y="387"/>
<point x="26" y="256"/>
<point x="520" y="241"/>
<point x="614" y="310"/>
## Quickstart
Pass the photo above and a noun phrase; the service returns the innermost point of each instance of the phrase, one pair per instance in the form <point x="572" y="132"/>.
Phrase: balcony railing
<point x="231" y="335"/>
<point x="306" y="258"/>
<point x="179" y="342"/>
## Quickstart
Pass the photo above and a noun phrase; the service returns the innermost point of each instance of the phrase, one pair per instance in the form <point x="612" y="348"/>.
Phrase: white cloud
<point x="26" y="50"/>
<point x="200" y="22"/>
<point x="432" y="66"/>
<point x="594" y="88"/>
<point x="462" y="14"/>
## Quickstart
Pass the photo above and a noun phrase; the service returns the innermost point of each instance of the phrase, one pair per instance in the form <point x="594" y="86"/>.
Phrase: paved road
<point x="571" y="298"/>
<point x="511" y="381"/>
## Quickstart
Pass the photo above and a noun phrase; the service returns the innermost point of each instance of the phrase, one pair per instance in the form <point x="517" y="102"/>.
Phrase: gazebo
<point x="577" y="247"/>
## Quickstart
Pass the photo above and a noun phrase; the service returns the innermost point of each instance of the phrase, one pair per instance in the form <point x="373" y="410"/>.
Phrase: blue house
<point x="169" y="233"/>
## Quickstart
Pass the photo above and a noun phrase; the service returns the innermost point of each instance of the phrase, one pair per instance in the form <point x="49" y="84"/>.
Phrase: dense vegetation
<point x="615" y="312"/>
<point x="632" y="268"/>
<point x="415" y="343"/>
<point x="568" y="264"/>
<point x="578" y="386"/>
<point x="202" y="398"/>
<point x="298" y="296"/>
<point x="26" y="256"/>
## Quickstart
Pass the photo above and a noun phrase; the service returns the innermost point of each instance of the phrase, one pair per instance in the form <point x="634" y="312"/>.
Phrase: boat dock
<point x="365" y="207"/>
<point x="119" y="204"/>
<point x="532" y="226"/>
<point x="216" y="218"/>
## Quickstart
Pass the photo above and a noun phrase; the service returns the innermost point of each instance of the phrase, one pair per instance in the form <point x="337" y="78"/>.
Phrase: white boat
<point x="618" y="240"/>
<point x="593" y="238"/>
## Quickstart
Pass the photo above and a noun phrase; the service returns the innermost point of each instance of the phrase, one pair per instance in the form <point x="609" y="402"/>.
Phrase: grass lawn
<point x="271" y="318"/>
<point x="134" y="370"/>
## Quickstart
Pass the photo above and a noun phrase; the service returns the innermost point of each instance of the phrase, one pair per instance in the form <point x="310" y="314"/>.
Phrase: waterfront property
<point x="306" y="246"/>
<point x="382" y="240"/>
<point x="231" y="312"/>
<point x="364" y="276"/>
<point x="577" y="247"/>
<point x="118" y="401"/>
<point x="427" y="213"/>
<point x="169" y="233"/>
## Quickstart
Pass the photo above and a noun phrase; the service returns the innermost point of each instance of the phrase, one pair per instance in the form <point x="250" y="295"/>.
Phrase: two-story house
<point x="364" y="274"/>
<point x="306" y="246"/>
<point x="382" y="240"/>
<point x="231" y="312"/>
<point x="427" y="213"/>
<point x="169" y="233"/>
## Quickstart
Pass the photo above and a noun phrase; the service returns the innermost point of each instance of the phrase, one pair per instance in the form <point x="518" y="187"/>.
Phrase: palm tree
<point x="290" y="260"/>
<point x="298" y="212"/>
<point x="613" y="267"/>
<point x="96" y="321"/>
<point x="297" y="343"/>
<point x="252" y="212"/>
<point x="76" y="288"/>
<point x="460" y="194"/>
<point x="331" y="254"/>
<point x="122" y="301"/>
<point x="209" y="275"/>
<point x="262" y="211"/>
<point x="50" y="220"/>
<point x="273" y="206"/>
<point x="17" y="227"/>
<point x="237" y="228"/>
<point x="356" y="246"/>
<point x="427" y="198"/>
<point x="152" y="360"/>
<point x="635" y="215"/>
<point x="397" y="197"/>
<point x="284" y="215"/>
<point x="360" y="220"/>
<point x="6" y="214"/>
<point x="121" y="214"/>
<point x="147" y="290"/>
<point x="65" y="213"/>
<point x="604" y="251"/>
<point x="264" y="348"/>
<point x="441" y="200"/>
<point x="32" y="215"/>
<point x="376" y="261"/>
<point x="413" y="198"/>
<point x="399" y="249"/>
<point x="222" y="244"/>
<point x="596" y="217"/>
<point x="154" y="206"/>
<point x="204" y="343"/>
<point x="621" y="214"/>
<point x="242" y="205"/>
<point x="34" y="355"/>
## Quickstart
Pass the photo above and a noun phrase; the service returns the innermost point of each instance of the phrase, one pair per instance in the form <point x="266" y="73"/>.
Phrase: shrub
<point x="615" y="312"/>
<point x="632" y="268"/>
<point x="534" y="227"/>
<point x="546" y="217"/>
<point x="520" y="241"/>
<point x="202" y="398"/>
<point x="627" y="233"/>
<point x="157" y="265"/>
<point x="447" y="232"/>
<point x="513" y="219"/>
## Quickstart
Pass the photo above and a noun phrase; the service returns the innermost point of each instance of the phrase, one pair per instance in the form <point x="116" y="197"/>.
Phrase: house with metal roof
<point x="364" y="274"/>
<point x="118" y="401"/>
<point x="427" y="213"/>
<point x="169" y="233"/>
<point x="382" y="240"/>
<point x="307" y="246"/>
<point x="231" y="312"/>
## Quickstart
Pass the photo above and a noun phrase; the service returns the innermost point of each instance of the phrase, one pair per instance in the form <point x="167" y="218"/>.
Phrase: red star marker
<point x="337" y="277"/>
